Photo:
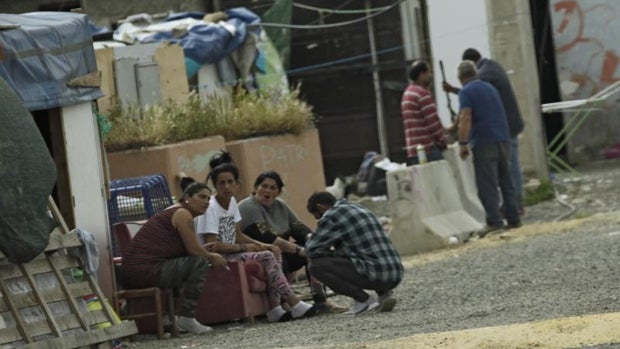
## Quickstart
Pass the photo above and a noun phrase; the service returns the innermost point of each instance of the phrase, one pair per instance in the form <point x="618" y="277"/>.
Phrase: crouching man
<point x="349" y="252"/>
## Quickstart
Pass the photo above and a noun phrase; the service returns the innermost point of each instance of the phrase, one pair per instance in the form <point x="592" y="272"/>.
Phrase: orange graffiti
<point x="569" y="7"/>
<point x="573" y="16"/>
<point x="610" y="64"/>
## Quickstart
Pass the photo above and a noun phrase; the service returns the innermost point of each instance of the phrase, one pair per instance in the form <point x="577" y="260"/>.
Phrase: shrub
<point x="541" y="193"/>
<point x="244" y="114"/>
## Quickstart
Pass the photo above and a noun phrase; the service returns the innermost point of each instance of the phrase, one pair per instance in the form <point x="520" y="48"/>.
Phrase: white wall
<point x="454" y="25"/>
<point x="85" y="168"/>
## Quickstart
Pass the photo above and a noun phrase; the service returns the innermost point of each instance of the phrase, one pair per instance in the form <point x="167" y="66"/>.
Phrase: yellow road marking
<point x="569" y="332"/>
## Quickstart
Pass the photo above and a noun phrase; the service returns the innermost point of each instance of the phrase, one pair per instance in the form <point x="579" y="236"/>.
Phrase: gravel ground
<point x="547" y="269"/>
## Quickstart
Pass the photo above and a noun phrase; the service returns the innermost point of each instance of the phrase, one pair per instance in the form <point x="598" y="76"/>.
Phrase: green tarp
<point x="27" y="176"/>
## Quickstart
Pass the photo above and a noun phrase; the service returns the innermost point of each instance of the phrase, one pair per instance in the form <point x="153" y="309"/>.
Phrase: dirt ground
<point x="553" y="283"/>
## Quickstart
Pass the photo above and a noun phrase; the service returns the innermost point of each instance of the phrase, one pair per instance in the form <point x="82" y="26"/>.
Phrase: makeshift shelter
<point x="47" y="60"/>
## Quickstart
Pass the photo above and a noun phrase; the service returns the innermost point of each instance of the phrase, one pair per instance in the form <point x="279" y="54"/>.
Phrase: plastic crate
<point x="138" y="198"/>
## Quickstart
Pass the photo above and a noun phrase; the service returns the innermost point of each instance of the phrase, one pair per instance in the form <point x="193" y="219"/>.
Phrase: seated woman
<point x="220" y="229"/>
<point x="166" y="253"/>
<point x="266" y="218"/>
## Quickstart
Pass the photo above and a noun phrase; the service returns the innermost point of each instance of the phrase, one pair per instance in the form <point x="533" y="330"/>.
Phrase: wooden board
<point x="173" y="83"/>
<point x="105" y="64"/>
<point x="64" y="319"/>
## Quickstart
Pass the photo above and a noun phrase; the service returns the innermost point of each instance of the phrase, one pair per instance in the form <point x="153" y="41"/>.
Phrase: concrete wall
<point x="297" y="158"/>
<point x="585" y="35"/>
<point x="512" y="44"/>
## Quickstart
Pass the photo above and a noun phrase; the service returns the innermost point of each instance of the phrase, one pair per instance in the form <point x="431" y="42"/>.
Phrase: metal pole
<point x="217" y="5"/>
<point x="383" y="144"/>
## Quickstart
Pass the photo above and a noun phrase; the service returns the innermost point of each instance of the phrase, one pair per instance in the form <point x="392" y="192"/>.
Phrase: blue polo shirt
<point x="488" y="118"/>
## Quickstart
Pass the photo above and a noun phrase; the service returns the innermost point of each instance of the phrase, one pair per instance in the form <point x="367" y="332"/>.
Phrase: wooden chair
<point x="122" y="236"/>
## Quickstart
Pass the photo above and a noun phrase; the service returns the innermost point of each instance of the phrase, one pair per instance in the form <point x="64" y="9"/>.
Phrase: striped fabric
<point x="156" y="242"/>
<point x="420" y="121"/>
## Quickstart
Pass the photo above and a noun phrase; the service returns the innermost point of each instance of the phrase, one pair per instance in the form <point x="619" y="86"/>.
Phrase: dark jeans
<point x="188" y="272"/>
<point x="492" y="169"/>
<point x="339" y="274"/>
<point x="433" y="154"/>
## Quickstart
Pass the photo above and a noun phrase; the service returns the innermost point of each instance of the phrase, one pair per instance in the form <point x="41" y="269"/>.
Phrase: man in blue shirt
<point x="483" y="126"/>
<point x="493" y="73"/>
<point x="349" y="252"/>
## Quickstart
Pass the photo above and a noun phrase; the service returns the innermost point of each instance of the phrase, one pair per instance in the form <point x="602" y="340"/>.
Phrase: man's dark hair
<point x="471" y="54"/>
<point x="417" y="68"/>
<point x="320" y="198"/>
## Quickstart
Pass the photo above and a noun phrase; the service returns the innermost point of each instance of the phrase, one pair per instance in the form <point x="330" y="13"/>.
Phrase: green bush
<point x="541" y="193"/>
<point x="241" y="115"/>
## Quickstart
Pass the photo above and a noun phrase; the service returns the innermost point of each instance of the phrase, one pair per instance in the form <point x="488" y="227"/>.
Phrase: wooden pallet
<point x="79" y="327"/>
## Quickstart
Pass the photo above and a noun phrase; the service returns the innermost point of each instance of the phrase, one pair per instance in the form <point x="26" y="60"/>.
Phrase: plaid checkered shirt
<point x="351" y="230"/>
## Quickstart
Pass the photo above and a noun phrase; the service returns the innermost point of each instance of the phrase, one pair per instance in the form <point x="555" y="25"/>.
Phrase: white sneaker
<point x="192" y="325"/>
<point x="362" y="307"/>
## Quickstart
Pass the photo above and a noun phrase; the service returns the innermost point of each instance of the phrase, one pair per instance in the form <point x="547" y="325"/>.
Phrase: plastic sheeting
<point x="202" y="42"/>
<point x="41" y="52"/>
<point x="27" y="176"/>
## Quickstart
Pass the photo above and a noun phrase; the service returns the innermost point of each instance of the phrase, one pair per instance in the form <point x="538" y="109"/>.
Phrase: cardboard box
<point x="168" y="80"/>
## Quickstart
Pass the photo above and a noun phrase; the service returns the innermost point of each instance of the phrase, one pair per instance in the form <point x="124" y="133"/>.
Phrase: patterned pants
<point x="277" y="285"/>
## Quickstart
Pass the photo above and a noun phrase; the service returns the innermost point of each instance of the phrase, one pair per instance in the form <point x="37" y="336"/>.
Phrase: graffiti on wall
<point x="585" y="35"/>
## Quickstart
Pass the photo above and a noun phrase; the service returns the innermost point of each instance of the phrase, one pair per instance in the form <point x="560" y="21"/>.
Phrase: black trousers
<point x="339" y="274"/>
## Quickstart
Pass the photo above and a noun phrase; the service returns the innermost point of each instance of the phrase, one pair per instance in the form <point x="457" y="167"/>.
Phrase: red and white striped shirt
<point x="420" y="121"/>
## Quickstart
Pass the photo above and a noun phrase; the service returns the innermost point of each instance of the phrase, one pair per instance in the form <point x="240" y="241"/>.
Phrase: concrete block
<point x="465" y="179"/>
<point x="427" y="208"/>
<point x="191" y="157"/>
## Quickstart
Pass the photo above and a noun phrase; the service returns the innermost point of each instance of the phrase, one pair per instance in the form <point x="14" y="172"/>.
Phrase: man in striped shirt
<point x="420" y="121"/>
<point x="349" y="252"/>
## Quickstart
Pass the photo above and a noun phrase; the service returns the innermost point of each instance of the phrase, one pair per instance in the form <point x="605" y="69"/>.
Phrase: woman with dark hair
<point x="219" y="228"/>
<point x="267" y="218"/>
<point x="166" y="253"/>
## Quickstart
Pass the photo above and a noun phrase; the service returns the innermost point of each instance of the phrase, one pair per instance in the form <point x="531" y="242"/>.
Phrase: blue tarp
<point x="41" y="52"/>
<point x="203" y="43"/>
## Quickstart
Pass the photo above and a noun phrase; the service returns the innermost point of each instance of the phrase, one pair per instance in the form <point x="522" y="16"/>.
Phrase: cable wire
<point x="335" y="11"/>
<point x="331" y="25"/>
<point x="342" y="60"/>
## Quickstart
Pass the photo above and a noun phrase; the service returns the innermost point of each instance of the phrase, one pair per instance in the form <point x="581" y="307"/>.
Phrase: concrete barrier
<point x="426" y="208"/>
<point x="465" y="179"/>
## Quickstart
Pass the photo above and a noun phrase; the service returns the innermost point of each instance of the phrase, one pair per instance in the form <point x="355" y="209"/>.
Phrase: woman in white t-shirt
<point x="220" y="232"/>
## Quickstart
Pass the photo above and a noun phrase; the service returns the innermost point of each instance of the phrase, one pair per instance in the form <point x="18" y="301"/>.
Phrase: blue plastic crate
<point x="138" y="198"/>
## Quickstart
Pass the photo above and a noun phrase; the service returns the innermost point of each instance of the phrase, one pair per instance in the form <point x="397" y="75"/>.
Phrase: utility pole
<point x="512" y="44"/>
<point x="383" y="143"/>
